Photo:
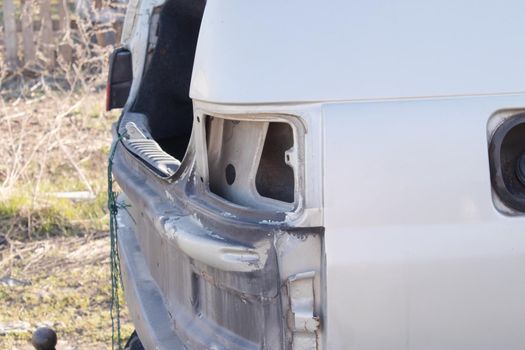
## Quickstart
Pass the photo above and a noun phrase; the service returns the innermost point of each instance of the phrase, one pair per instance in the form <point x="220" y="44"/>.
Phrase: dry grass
<point x="53" y="221"/>
<point x="54" y="145"/>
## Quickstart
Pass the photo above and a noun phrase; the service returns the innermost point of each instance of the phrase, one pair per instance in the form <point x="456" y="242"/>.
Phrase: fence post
<point x="10" y="35"/>
<point x="27" y="32"/>
<point x="65" y="50"/>
<point x="47" y="33"/>
<point x="62" y="10"/>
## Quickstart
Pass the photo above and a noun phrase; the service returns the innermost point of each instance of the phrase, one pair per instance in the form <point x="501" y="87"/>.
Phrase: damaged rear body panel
<point x="303" y="176"/>
<point x="235" y="267"/>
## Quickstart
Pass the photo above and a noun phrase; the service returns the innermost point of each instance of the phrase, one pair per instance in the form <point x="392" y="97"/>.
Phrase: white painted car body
<point x="396" y="98"/>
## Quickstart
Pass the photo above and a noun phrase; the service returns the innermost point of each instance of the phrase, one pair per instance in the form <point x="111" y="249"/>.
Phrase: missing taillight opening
<point x="275" y="178"/>
<point x="249" y="163"/>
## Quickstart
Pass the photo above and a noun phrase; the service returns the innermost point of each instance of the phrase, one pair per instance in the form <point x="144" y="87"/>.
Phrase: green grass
<point x="58" y="217"/>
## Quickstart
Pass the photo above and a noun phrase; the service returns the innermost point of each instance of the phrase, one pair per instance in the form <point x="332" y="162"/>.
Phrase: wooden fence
<point x="38" y="32"/>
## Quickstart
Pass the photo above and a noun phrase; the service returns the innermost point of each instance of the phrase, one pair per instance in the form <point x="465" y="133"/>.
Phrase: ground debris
<point x="13" y="282"/>
<point x="14" y="327"/>
<point x="3" y="242"/>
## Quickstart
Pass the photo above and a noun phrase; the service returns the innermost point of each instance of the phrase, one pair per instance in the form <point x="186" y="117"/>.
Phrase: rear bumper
<point x="144" y="298"/>
<point x="200" y="273"/>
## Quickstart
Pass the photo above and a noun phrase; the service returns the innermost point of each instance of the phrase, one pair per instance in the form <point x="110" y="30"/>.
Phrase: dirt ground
<point x="60" y="282"/>
<point x="54" y="244"/>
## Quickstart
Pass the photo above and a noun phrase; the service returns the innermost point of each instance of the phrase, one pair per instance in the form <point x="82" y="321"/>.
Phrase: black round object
<point x="230" y="174"/>
<point x="44" y="339"/>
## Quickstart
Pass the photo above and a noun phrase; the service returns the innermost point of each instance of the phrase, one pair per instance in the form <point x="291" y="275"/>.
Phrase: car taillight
<point x="120" y="77"/>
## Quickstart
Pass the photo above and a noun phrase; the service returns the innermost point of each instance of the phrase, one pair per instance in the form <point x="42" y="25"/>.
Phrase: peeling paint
<point x="228" y="214"/>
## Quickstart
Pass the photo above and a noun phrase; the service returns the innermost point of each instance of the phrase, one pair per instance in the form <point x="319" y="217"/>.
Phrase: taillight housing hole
<point x="251" y="161"/>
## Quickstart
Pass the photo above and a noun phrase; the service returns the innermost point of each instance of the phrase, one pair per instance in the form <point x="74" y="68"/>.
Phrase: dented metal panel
<point x="227" y="274"/>
<point x="301" y="318"/>
<point x="396" y="172"/>
<point x="203" y="245"/>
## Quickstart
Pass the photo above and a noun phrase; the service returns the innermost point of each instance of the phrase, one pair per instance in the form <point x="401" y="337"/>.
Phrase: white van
<point x="339" y="175"/>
